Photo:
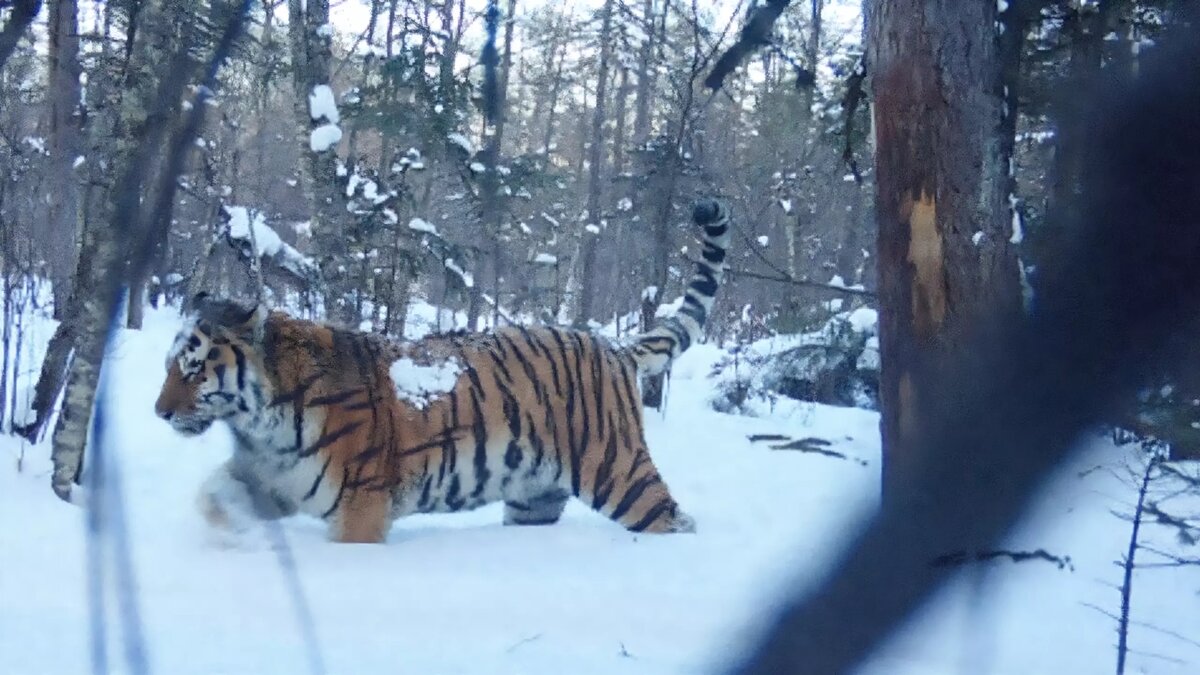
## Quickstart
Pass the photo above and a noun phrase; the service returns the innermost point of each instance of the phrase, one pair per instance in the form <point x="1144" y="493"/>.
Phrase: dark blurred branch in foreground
<point x="23" y="13"/>
<point x="755" y="34"/>
<point x="1008" y="415"/>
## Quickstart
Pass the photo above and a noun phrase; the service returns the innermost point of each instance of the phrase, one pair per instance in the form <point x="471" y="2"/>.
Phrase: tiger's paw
<point x="682" y="523"/>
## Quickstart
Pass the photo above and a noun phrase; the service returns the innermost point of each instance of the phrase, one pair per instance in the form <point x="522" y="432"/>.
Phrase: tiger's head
<point x="211" y="368"/>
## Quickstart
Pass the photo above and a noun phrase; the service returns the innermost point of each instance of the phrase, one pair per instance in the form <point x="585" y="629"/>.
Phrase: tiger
<point x="359" y="429"/>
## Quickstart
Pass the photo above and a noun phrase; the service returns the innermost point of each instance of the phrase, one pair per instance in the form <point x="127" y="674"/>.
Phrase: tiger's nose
<point x="166" y="414"/>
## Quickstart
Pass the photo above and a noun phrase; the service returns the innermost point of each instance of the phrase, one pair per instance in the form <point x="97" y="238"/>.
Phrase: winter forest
<point x="942" y="415"/>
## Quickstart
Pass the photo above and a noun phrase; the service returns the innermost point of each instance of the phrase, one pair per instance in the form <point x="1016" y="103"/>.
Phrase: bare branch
<point x="756" y="33"/>
<point x="784" y="279"/>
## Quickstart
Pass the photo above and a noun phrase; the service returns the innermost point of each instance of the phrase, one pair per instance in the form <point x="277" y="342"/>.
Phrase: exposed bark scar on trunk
<point x="926" y="256"/>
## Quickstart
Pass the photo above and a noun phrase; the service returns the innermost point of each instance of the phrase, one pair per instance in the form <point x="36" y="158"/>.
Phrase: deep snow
<point x="463" y="594"/>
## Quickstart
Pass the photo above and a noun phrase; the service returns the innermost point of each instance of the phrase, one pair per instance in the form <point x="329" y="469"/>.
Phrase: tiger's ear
<point x="255" y="324"/>
<point x="196" y="304"/>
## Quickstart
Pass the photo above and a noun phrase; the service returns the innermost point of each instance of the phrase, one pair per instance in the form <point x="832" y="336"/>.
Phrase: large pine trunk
<point x="946" y="266"/>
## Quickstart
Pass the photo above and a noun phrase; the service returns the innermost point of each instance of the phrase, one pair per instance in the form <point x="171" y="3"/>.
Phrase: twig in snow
<point x="1128" y="563"/>
<point x="962" y="558"/>
<point x="759" y="438"/>
<point x="524" y="641"/>
<point x="818" y="446"/>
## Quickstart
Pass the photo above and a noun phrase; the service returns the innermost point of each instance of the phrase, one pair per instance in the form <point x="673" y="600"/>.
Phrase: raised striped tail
<point x="655" y="350"/>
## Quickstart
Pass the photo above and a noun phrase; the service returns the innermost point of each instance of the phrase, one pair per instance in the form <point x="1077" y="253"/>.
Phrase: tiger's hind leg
<point x="362" y="517"/>
<point x="544" y="509"/>
<point x="626" y="487"/>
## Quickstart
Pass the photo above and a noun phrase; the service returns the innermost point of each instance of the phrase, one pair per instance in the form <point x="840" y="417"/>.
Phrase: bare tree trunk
<point x="505" y="71"/>
<point x="552" y="105"/>
<point x="64" y="98"/>
<point x="545" y="91"/>
<point x="490" y="184"/>
<point x="66" y="143"/>
<point x="368" y="63"/>
<point x="23" y="14"/>
<point x="646" y="76"/>
<point x="310" y="38"/>
<point x="621" y="113"/>
<point x="494" y="155"/>
<point x="450" y="51"/>
<point x="149" y="100"/>
<point x="136" y="299"/>
<point x="588" y="288"/>
<point x="941" y="180"/>
<point x="261" y="100"/>
<point x="385" y="135"/>
<point x="619" y="275"/>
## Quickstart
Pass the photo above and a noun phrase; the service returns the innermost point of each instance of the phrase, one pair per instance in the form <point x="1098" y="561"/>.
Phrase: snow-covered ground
<point x="464" y="594"/>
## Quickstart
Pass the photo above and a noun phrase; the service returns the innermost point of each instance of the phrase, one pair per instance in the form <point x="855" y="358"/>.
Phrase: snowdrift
<point x="464" y="594"/>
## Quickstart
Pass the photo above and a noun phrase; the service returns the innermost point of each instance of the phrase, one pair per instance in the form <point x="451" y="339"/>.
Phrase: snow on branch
<point x="321" y="104"/>
<point x="461" y="142"/>
<point x="467" y="278"/>
<point x="324" y="137"/>
<point x="249" y="234"/>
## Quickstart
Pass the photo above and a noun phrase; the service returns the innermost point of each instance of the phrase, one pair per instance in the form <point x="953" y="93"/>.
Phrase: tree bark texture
<point x="66" y="143"/>
<point x="587" y="290"/>
<point x="64" y="97"/>
<point x="147" y="103"/>
<point x="311" y="56"/>
<point x="646" y="75"/>
<point x="946" y="267"/>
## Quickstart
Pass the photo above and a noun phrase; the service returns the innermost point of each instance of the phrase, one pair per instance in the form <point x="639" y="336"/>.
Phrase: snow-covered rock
<point x="837" y="365"/>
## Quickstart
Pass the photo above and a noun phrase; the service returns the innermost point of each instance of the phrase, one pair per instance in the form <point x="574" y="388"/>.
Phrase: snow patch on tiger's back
<point x="420" y="384"/>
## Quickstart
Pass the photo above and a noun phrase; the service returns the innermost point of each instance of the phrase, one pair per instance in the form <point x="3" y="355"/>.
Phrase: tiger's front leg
<point x="232" y="499"/>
